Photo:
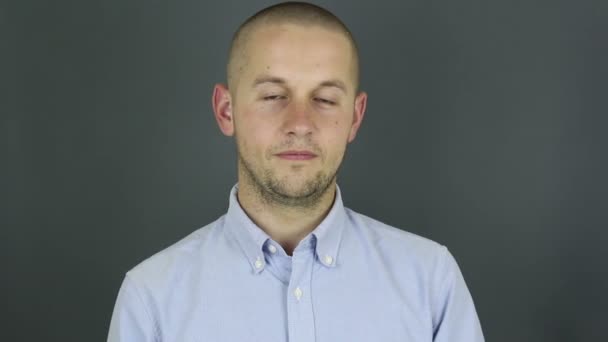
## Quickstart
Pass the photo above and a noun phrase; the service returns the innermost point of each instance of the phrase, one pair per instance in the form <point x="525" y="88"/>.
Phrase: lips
<point x="296" y="155"/>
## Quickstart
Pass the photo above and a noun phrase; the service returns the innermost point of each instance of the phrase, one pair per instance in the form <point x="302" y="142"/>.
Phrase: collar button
<point x="259" y="263"/>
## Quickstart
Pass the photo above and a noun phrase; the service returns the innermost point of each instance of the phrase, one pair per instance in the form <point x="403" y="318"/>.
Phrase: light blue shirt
<point x="351" y="279"/>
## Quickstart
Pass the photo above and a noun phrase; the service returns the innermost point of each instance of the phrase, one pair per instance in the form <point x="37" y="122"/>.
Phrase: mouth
<point x="296" y="155"/>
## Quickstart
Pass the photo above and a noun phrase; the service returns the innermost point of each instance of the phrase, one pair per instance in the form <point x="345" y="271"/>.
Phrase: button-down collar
<point x="325" y="238"/>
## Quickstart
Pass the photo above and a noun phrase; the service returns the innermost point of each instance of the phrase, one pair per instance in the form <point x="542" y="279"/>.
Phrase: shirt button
<point x="272" y="249"/>
<point x="298" y="293"/>
<point x="328" y="260"/>
<point x="259" y="263"/>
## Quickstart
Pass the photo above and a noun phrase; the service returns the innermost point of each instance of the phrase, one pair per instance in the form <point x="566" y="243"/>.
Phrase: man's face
<point x="295" y="109"/>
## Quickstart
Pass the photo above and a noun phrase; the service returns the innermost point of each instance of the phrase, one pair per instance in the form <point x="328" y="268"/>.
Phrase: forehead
<point x="298" y="53"/>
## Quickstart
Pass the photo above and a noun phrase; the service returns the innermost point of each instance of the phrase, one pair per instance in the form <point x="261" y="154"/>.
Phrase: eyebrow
<point x="335" y="84"/>
<point x="280" y="81"/>
<point x="268" y="79"/>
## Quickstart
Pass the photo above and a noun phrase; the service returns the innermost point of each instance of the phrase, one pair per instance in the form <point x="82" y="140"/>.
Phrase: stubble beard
<point x="273" y="191"/>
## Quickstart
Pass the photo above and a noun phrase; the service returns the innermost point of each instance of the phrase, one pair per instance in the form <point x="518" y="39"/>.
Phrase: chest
<point x="313" y="303"/>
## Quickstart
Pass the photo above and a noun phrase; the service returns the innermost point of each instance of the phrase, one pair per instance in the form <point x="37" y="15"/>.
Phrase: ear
<point x="222" y="109"/>
<point x="360" y="104"/>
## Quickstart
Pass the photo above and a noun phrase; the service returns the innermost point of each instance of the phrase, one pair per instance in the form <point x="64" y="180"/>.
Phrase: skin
<point x="295" y="91"/>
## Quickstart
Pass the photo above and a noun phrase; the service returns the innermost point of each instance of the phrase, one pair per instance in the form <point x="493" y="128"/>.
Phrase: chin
<point x="297" y="188"/>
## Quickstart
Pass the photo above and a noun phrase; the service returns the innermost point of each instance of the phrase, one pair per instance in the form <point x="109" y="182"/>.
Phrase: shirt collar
<point x="325" y="238"/>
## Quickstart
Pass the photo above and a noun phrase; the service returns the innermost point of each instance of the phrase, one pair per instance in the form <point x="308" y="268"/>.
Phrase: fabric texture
<point x="352" y="279"/>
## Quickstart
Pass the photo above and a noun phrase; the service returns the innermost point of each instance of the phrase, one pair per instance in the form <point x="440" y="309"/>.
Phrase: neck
<point x="285" y="225"/>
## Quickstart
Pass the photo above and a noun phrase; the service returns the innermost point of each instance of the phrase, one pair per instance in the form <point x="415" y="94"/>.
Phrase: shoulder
<point x="396" y="243"/>
<point x="170" y="263"/>
<point x="386" y="233"/>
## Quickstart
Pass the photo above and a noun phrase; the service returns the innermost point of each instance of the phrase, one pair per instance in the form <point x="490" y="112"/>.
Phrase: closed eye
<point x="325" y="101"/>
<point x="273" y="97"/>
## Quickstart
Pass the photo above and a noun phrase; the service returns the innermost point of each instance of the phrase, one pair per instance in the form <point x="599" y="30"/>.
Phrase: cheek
<point x="253" y="136"/>
<point x="341" y="129"/>
<point x="336" y="139"/>
<point x="342" y="133"/>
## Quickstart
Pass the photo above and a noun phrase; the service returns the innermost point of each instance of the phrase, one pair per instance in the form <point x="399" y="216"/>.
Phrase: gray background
<point x="485" y="131"/>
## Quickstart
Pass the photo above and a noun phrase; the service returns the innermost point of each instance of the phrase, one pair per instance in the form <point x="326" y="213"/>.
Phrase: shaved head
<point x="295" y="13"/>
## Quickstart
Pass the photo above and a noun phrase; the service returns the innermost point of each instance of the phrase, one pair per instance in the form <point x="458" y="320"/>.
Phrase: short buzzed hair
<point x="299" y="13"/>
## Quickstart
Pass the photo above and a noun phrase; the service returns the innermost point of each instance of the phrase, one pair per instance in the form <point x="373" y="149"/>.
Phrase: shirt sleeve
<point x="131" y="320"/>
<point x="454" y="315"/>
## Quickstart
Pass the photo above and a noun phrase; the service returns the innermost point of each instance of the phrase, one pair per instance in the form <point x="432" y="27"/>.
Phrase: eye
<point x="325" y="101"/>
<point x="273" y="97"/>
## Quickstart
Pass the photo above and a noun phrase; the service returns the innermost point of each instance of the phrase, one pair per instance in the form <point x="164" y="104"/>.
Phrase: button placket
<point x="301" y="326"/>
<point x="298" y="293"/>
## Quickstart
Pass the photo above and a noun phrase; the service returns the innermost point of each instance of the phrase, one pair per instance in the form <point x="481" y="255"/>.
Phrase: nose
<point x="299" y="120"/>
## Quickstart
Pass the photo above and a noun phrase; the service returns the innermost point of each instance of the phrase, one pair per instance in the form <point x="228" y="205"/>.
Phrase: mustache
<point x="294" y="145"/>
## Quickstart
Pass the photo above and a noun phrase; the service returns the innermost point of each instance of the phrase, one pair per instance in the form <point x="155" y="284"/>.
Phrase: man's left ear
<point x="360" y="103"/>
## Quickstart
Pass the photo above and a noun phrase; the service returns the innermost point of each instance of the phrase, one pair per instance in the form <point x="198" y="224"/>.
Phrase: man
<point x="288" y="262"/>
